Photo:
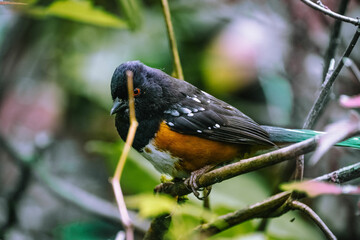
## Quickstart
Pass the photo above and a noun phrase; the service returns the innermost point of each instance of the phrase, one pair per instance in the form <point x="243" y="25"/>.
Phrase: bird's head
<point x="152" y="90"/>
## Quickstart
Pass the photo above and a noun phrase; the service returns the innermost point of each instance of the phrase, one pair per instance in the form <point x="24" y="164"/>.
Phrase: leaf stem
<point x="178" y="72"/>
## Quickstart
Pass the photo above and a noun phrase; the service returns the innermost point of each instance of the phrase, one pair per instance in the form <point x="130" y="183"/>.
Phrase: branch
<point x="115" y="181"/>
<point x="66" y="190"/>
<point x="334" y="39"/>
<point x="158" y="228"/>
<point x="275" y="204"/>
<point x="178" y="73"/>
<point x="342" y="175"/>
<point x="296" y="205"/>
<point x="18" y="189"/>
<point x="243" y="166"/>
<point x="323" y="96"/>
<point x="83" y="199"/>
<point x="332" y="14"/>
<point x="263" y="209"/>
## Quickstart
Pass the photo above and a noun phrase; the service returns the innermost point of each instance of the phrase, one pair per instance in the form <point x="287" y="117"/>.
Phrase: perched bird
<point x="185" y="131"/>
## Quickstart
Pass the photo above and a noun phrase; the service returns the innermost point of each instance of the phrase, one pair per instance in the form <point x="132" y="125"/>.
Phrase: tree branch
<point x="342" y="175"/>
<point x="275" y="205"/>
<point x="323" y="96"/>
<point x="243" y="166"/>
<point x="296" y="205"/>
<point x="334" y="38"/>
<point x="263" y="209"/>
<point x="330" y="13"/>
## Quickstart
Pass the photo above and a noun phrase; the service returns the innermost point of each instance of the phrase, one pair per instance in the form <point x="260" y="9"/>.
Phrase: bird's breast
<point x="178" y="154"/>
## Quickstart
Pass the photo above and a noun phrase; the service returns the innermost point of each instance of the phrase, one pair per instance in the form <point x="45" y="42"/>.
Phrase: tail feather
<point x="284" y="135"/>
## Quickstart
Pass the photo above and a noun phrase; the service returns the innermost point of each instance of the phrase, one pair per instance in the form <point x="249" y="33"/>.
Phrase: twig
<point x="18" y="190"/>
<point x="342" y="175"/>
<point x="158" y="228"/>
<point x="243" y="166"/>
<point x="66" y="190"/>
<point x="296" y="205"/>
<point x="350" y="64"/>
<point x="81" y="198"/>
<point x="334" y="38"/>
<point x="115" y="181"/>
<point x="177" y="65"/>
<point x="332" y="14"/>
<point x="267" y="208"/>
<point x="322" y="98"/>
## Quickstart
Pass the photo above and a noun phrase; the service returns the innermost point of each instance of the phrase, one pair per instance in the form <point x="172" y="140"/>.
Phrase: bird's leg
<point x="192" y="184"/>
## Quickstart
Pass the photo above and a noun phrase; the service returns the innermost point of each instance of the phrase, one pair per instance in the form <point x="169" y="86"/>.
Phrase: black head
<point x="153" y="90"/>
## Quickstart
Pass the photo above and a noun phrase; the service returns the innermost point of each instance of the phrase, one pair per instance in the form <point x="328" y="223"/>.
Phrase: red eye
<point x="136" y="92"/>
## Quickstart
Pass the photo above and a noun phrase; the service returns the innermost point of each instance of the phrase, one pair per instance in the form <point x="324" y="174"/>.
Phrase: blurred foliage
<point x="81" y="11"/>
<point x="56" y="62"/>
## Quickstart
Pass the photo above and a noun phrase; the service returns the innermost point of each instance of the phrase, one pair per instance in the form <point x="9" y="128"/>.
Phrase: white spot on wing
<point x="172" y="112"/>
<point x="170" y="124"/>
<point x="196" y="99"/>
<point x="199" y="131"/>
<point x="201" y="109"/>
<point x="217" y="126"/>
<point x="185" y="110"/>
<point x="190" y="114"/>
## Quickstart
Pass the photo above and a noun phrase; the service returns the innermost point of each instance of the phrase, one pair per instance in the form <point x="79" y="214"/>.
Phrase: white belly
<point x="162" y="160"/>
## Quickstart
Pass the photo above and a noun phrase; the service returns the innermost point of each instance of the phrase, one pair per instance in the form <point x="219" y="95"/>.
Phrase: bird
<point x="184" y="131"/>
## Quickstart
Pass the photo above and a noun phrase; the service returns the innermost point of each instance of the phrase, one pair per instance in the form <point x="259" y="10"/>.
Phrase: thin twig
<point x="18" y="189"/>
<point x="332" y="14"/>
<point x="323" y="96"/>
<point x="243" y="166"/>
<point x="81" y="198"/>
<point x="267" y="208"/>
<point x="342" y="175"/>
<point x="350" y="64"/>
<point x="296" y="205"/>
<point x="328" y="74"/>
<point x="158" y="228"/>
<point x="115" y="181"/>
<point x="73" y="194"/>
<point x="178" y="72"/>
<point x="334" y="38"/>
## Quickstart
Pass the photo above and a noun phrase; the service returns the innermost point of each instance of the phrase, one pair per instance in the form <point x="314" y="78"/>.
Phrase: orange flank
<point x="195" y="152"/>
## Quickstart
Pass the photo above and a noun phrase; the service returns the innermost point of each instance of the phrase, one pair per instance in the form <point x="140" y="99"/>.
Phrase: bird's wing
<point x="205" y="116"/>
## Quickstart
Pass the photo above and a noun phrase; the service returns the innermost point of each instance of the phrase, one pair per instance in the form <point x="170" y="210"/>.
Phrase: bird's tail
<point x="284" y="135"/>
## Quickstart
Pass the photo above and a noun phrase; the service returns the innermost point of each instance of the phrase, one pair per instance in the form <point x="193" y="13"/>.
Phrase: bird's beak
<point x="118" y="104"/>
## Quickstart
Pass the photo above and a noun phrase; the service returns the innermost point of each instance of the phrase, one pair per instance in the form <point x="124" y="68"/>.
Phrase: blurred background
<point x="58" y="143"/>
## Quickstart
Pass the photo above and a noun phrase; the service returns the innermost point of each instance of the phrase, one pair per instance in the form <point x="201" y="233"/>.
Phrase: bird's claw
<point x="192" y="183"/>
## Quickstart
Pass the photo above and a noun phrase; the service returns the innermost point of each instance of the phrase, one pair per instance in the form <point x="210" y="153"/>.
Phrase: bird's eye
<point x="136" y="92"/>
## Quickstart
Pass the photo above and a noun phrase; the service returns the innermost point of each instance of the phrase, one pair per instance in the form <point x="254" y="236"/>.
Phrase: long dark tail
<point x="284" y="135"/>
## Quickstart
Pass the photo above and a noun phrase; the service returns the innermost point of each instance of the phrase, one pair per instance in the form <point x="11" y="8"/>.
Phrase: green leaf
<point x="151" y="205"/>
<point x="81" y="11"/>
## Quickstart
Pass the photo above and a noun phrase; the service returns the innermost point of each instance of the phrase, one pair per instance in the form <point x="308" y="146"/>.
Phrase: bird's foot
<point x="192" y="183"/>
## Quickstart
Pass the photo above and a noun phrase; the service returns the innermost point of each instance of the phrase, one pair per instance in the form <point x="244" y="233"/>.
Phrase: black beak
<point x="118" y="104"/>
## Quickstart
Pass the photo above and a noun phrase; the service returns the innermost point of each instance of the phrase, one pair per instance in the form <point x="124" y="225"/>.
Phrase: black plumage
<point x="185" y="109"/>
